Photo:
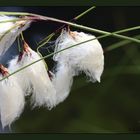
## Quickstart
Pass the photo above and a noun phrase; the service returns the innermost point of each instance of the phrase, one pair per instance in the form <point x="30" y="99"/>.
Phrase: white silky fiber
<point x="11" y="100"/>
<point x="34" y="79"/>
<point x="87" y="57"/>
<point x="9" y="31"/>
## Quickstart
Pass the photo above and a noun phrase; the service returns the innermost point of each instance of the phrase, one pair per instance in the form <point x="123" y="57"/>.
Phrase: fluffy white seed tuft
<point x="62" y="81"/>
<point x="11" y="101"/>
<point x="87" y="57"/>
<point x="7" y="38"/>
<point x="35" y="78"/>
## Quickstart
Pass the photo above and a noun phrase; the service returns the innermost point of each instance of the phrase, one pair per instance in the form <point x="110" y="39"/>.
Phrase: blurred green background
<point x="112" y="106"/>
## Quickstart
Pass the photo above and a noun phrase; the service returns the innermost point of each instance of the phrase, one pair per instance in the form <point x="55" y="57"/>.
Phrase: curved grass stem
<point x="120" y="31"/>
<point x="18" y="42"/>
<point x="49" y="55"/>
<point x="9" y="31"/>
<point x="120" y="44"/>
<point x="46" y="18"/>
<point x="74" y="19"/>
<point x="105" y="34"/>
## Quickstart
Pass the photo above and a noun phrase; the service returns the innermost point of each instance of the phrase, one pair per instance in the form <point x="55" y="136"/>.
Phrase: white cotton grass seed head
<point x="4" y="26"/>
<point x="62" y="81"/>
<point x="21" y="76"/>
<point x="11" y="100"/>
<point x="10" y="30"/>
<point x="35" y="77"/>
<point x="87" y="57"/>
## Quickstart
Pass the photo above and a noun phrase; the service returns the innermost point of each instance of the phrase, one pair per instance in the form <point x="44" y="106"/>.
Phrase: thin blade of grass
<point x="46" y="18"/>
<point x="120" y="44"/>
<point x="61" y="27"/>
<point x="49" y="55"/>
<point x="103" y="36"/>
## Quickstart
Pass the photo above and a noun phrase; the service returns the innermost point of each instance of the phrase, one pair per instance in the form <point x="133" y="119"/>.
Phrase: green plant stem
<point x="18" y="41"/>
<point x="129" y="29"/>
<point x="103" y="32"/>
<point x="50" y="36"/>
<point x="40" y="53"/>
<point x="39" y="17"/>
<point x="8" y="31"/>
<point x="43" y="58"/>
<point x="15" y="13"/>
<point x="74" y="19"/>
<point x="13" y="20"/>
<point x="120" y="44"/>
<point x="56" y="53"/>
<point x="120" y="31"/>
<point x="85" y="12"/>
<point x="91" y="29"/>
<point x="46" y="38"/>
<point x="22" y="37"/>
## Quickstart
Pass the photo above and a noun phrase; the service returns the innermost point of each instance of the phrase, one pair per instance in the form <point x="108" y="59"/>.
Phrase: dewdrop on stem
<point x="87" y="57"/>
<point x="34" y="79"/>
<point x="11" y="98"/>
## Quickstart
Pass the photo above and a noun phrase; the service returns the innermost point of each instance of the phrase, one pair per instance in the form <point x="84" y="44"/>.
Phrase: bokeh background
<point x="112" y="106"/>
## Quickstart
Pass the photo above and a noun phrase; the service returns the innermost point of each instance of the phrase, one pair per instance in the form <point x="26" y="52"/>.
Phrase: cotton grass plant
<point x="10" y="30"/>
<point x="27" y="72"/>
<point x="11" y="98"/>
